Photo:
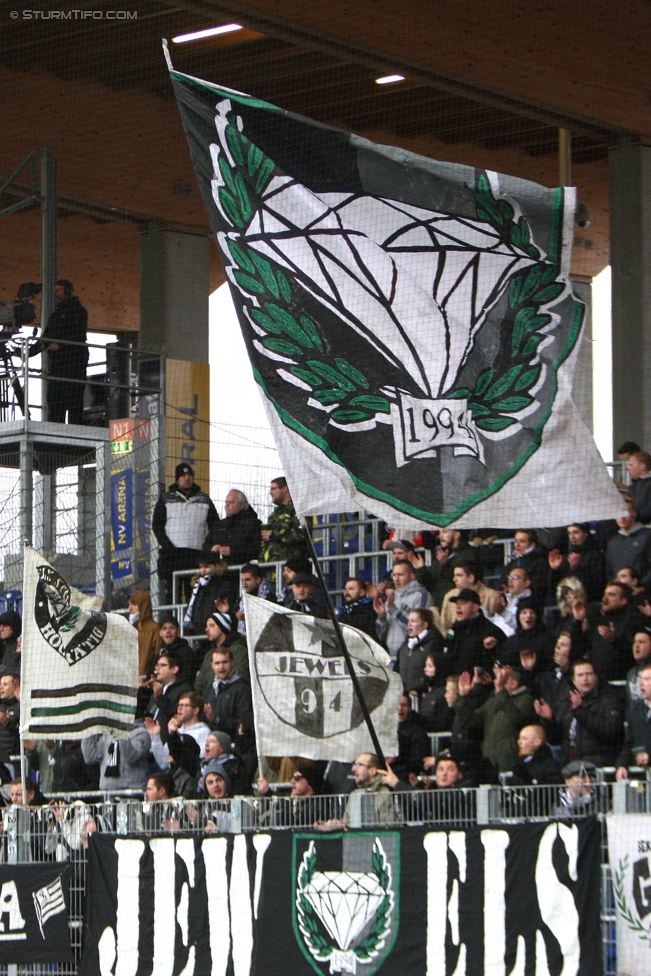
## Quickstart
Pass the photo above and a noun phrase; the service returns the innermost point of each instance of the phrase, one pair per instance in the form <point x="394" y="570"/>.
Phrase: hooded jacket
<point x="148" y="636"/>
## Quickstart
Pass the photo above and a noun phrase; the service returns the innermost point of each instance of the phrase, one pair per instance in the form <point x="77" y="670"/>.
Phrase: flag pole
<point x="344" y="649"/>
<point x="23" y="771"/>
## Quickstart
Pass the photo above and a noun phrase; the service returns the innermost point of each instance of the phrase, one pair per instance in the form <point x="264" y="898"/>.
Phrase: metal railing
<point x="60" y="831"/>
<point x="117" y="376"/>
<point x="346" y="565"/>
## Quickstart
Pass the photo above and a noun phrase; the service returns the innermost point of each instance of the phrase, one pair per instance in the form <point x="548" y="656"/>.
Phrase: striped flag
<point x="80" y="666"/>
<point x="303" y="697"/>
<point x="49" y="901"/>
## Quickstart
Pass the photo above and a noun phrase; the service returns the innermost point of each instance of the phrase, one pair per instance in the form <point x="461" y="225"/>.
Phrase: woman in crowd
<point x="423" y="640"/>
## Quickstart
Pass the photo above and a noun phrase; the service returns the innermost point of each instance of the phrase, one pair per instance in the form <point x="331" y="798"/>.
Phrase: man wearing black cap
<point x="66" y="364"/>
<point x="183" y="515"/>
<point x="470" y="641"/>
<point x="302" y="597"/>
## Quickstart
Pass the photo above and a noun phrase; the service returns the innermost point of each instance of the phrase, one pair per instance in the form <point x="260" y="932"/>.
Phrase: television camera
<point x="18" y="312"/>
<point x="14" y="314"/>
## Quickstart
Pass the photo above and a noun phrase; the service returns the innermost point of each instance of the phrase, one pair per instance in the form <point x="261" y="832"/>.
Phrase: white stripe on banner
<point x="128" y="911"/>
<point x="242" y="920"/>
<point x="164" y="905"/>
<point x="214" y="855"/>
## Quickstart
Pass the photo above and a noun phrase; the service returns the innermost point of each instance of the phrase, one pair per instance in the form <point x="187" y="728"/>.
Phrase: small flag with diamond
<point x="49" y="901"/>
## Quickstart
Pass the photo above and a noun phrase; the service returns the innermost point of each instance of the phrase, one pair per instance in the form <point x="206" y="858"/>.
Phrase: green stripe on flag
<point x="83" y="706"/>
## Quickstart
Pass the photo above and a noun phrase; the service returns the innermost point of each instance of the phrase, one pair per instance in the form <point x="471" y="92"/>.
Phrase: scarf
<point x="414" y="642"/>
<point x="202" y="581"/>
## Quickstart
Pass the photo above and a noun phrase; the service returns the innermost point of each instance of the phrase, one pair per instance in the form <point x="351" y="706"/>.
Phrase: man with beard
<point x="357" y="610"/>
<point x="282" y="536"/>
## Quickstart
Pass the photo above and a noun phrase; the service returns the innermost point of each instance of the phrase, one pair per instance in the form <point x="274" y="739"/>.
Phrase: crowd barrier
<point x="60" y="832"/>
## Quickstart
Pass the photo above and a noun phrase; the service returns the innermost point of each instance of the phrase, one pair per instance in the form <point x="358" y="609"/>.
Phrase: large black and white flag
<point x="304" y="701"/>
<point x="411" y="324"/>
<point x="517" y="900"/>
<point x="80" y="666"/>
<point x="34" y="913"/>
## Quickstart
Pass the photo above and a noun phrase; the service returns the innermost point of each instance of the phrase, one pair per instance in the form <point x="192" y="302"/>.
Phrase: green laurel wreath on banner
<point x="368" y="947"/>
<point x="332" y="380"/>
<point x="633" y="923"/>
<point x="307" y="922"/>
<point x="319" y="946"/>
<point x="496" y="393"/>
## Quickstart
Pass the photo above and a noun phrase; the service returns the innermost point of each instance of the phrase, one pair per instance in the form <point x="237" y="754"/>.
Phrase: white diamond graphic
<point x="344" y="901"/>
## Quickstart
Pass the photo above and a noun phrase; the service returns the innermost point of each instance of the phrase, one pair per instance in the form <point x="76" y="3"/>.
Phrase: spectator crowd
<point x="544" y="675"/>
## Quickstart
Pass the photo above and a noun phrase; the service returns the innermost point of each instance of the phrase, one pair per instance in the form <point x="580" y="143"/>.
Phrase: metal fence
<point x="60" y="832"/>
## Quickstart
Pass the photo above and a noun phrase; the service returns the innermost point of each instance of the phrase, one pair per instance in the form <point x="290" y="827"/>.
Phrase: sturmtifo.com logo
<point x="346" y="921"/>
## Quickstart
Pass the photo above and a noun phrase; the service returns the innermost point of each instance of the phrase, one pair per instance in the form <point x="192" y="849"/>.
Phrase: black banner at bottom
<point x="34" y="913"/>
<point x="517" y="899"/>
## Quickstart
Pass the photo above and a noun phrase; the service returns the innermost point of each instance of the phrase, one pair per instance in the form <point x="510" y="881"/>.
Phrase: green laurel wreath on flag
<point x="321" y="948"/>
<point x="332" y="380"/>
<point x="633" y="923"/>
<point x="496" y="392"/>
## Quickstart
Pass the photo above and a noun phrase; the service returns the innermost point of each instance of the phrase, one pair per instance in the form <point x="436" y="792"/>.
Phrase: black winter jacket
<point x="410" y="663"/>
<point x="599" y="727"/>
<point x="638" y="733"/>
<point x="232" y="706"/>
<point x="464" y="645"/>
<point x="541" y="768"/>
<point x="241" y="532"/>
<point x="68" y="321"/>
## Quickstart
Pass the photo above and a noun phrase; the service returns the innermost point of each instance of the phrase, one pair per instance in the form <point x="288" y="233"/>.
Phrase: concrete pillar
<point x="630" y="258"/>
<point x="582" y="386"/>
<point x="174" y="292"/>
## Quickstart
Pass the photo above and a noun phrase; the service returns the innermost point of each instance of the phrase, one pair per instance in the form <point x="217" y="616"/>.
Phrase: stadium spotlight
<point x="389" y="79"/>
<point x="208" y="32"/>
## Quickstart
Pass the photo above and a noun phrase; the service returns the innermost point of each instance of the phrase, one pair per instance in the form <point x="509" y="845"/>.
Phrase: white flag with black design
<point x="80" y="666"/>
<point x="48" y="901"/>
<point x="411" y="324"/>
<point x="304" y="701"/>
<point x="629" y="852"/>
